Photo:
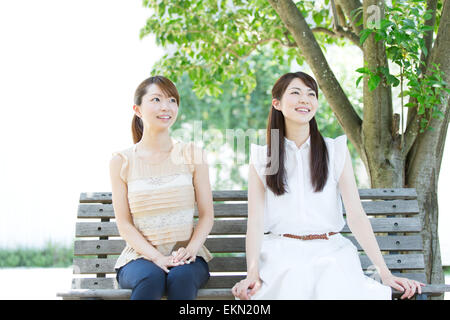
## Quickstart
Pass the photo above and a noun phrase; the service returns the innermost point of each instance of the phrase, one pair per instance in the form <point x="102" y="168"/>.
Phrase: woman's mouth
<point x="303" y="110"/>
<point x="164" y="117"/>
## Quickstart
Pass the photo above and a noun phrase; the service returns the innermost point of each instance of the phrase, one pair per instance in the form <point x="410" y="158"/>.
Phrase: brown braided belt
<point x="310" y="236"/>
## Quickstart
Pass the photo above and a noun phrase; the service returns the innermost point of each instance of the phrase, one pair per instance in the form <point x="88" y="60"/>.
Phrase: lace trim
<point x="166" y="221"/>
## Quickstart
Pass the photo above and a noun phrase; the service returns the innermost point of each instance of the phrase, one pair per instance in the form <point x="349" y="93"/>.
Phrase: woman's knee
<point x="139" y="271"/>
<point x="188" y="276"/>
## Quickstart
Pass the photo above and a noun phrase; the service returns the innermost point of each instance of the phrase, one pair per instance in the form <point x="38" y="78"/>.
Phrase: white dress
<point x="309" y="269"/>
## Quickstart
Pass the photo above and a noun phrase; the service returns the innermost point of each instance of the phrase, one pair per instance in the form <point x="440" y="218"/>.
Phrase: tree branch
<point x="431" y="5"/>
<point x="305" y="40"/>
<point x="348" y="6"/>
<point x="335" y="17"/>
<point x="340" y="33"/>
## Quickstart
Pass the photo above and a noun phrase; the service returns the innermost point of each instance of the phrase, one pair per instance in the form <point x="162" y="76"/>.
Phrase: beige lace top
<point x="161" y="199"/>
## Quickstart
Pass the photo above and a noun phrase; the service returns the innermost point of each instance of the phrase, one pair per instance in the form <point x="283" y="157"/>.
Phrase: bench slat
<point x="370" y="194"/>
<point x="215" y="282"/>
<point x="238" y="264"/>
<point x="393" y="207"/>
<point x="229" y="245"/>
<point x="239" y="226"/>
<point x="241" y="195"/>
<point x="124" y="294"/>
<point x="431" y="290"/>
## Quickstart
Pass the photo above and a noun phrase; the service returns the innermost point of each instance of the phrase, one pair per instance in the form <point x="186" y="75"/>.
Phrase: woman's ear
<point x="137" y="112"/>
<point x="276" y="104"/>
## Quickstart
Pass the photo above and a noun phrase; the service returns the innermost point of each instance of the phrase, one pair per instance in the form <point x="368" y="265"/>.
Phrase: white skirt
<point x="315" y="269"/>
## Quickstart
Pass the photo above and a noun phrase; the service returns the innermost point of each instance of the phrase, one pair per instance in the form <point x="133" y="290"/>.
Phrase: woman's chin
<point x="299" y="120"/>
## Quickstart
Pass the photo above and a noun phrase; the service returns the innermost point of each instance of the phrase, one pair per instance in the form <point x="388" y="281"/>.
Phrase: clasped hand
<point x="180" y="257"/>
<point x="246" y="288"/>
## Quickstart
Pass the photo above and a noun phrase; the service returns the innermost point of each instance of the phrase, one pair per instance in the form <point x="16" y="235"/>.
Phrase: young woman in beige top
<point x="155" y="185"/>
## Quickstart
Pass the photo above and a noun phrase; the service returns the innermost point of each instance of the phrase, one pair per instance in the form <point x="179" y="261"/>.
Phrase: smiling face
<point x="298" y="103"/>
<point x="158" y="110"/>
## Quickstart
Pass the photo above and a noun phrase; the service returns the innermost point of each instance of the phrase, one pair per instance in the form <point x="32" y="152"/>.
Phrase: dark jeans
<point x="150" y="282"/>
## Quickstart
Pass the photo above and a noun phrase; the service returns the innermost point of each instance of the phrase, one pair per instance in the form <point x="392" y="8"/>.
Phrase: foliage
<point x="204" y="44"/>
<point x="51" y="255"/>
<point x="403" y="30"/>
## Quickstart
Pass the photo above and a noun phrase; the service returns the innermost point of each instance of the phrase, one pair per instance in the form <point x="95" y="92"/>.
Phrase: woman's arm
<point x="360" y="226"/>
<point x="255" y="222"/>
<point x="203" y="197"/>
<point x="255" y="228"/>
<point x="124" y="221"/>
<point x="357" y="219"/>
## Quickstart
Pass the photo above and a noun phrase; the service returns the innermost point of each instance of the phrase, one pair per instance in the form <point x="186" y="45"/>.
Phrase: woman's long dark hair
<point x="319" y="153"/>
<point x="166" y="86"/>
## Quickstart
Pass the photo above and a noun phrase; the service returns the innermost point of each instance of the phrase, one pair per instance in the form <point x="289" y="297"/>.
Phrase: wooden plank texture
<point x="230" y="245"/>
<point x="391" y="207"/>
<point x="241" y="195"/>
<point x="215" y="282"/>
<point x="238" y="264"/>
<point x="239" y="226"/>
<point x="224" y="294"/>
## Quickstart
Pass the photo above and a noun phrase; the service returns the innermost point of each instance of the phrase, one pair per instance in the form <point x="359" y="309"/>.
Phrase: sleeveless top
<point x="161" y="200"/>
<point x="300" y="210"/>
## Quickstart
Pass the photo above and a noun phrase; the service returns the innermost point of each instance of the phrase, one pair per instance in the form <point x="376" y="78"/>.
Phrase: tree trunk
<point x="382" y="155"/>
<point x="424" y="160"/>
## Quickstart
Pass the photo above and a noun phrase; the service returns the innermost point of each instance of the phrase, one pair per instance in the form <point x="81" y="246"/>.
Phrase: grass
<point x="446" y="270"/>
<point x="51" y="255"/>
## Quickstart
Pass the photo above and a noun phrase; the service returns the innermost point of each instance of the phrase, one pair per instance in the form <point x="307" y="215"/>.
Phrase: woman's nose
<point x="303" y="97"/>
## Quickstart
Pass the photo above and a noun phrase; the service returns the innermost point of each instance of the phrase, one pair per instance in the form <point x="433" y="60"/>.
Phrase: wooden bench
<point x="393" y="214"/>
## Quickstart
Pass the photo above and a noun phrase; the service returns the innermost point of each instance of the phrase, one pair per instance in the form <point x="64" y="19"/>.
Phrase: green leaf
<point x="373" y="82"/>
<point x="392" y="80"/>
<point x="318" y="18"/>
<point x="359" y="80"/>
<point x="427" y="16"/>
<point x="378" y="37"/>
<point x="425" y="51"/>
<point x="364" y="34"/>
<point x="363" y="70"/>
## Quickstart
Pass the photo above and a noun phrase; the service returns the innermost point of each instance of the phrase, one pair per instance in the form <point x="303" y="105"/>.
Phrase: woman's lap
<point x="185" y="277"/>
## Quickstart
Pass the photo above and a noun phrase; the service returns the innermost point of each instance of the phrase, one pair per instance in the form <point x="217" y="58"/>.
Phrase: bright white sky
<point x="68" y="71"/>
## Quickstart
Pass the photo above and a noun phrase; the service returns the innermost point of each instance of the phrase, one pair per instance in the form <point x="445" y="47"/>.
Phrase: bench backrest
<point x="393" y="214"/>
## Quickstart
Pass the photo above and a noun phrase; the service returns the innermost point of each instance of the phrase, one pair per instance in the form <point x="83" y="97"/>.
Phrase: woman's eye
<point x="155" y="99"/>
<point x="173" y="100"/>
<point x="312" y="94"/>
<point x="295" y="92"/>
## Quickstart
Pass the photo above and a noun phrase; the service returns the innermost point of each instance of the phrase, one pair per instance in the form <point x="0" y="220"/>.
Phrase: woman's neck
<point x="156" y="141"/>
<point x="297" y="133"/>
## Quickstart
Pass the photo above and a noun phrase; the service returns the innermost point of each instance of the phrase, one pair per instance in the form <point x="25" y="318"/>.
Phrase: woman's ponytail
<point x="137" y="129"/>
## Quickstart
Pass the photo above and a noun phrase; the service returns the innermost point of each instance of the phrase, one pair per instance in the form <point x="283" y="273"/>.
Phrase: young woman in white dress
<point x="294" y="249"/>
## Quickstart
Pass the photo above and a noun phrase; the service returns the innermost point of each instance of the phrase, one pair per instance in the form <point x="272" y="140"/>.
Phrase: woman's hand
<point x="165" y="262"/>
<point x="184" y="255"/>
<point x="246" y="288"/>
<point x="408" y="286"/>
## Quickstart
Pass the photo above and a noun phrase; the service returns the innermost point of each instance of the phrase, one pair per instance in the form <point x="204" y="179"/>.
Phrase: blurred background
<point x="68" y="71"/>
